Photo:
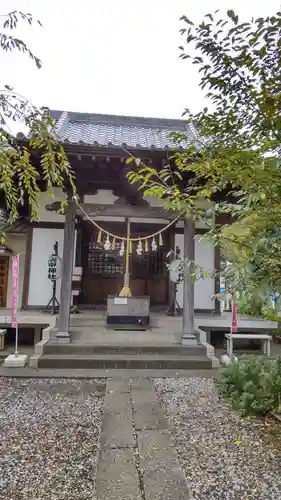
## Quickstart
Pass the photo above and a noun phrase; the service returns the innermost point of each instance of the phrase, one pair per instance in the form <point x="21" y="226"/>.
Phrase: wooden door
<point x="4" y="274"/>
<point x="103" y="270"/>
<point x="149" y="276"/>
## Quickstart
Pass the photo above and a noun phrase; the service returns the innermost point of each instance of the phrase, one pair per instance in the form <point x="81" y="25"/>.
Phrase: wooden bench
<point x="265" y="339"/>
<point x="2" y="339"/>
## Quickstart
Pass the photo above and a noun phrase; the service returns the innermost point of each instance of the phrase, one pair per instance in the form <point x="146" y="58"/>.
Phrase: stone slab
<point x="148" y="413"/>
<point x="117" y="477"/>
<point x="117" y="424"/>
<point x="123" y="361"/>
<point x="141" y="383"/>
<point x="117" y="431"/>
<point x="15" y="361"/>
<point x="118" y="385"/>
<point x="115" y="402"/>
<point x="163" y="477"/>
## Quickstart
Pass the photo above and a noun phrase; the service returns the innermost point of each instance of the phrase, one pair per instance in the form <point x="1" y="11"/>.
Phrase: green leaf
<point x="20" y="176"/>
<point x="130" y="160"/>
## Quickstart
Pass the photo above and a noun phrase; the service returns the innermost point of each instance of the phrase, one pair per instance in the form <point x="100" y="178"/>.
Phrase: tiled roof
<point x="118" y="131"/>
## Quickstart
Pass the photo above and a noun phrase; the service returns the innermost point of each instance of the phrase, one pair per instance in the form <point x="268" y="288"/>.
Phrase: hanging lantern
<point x="153" y="245"/>
<point x="146" y="246"/>
<point x="160" y="240"/>
<point x="139" y="248"/>
<point x="107" y="244"/>
<point x="130" y="247"/>
<point x="113" y="245"/>
<point x="122" y="249"/>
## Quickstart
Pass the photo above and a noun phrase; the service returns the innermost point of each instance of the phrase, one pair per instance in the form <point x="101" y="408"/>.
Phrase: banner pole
<point x="17" y="335"/>
<point x="15" y="286"/>
<point x="15" y="360"/>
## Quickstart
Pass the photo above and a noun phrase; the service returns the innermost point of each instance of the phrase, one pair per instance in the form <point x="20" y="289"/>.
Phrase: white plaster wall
<point x="40" y="287"/>
<point x="103" y="196"/>
<point x="106" y="197"/>
<point x="43" y="200"/>
<point x="17" y="243"/>
<point x="204" y="288"/>
<point x="154" y="202"/>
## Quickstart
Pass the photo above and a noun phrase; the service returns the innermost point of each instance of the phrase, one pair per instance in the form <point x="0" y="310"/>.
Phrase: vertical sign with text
<point x="15" y="289"/>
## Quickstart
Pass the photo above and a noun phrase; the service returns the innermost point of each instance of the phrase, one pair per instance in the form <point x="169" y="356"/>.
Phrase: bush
<point x="253" y="385"/>
<point x="272" y="315"/>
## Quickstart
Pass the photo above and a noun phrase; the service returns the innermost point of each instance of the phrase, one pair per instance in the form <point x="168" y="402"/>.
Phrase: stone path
<point x="137" y="458"/>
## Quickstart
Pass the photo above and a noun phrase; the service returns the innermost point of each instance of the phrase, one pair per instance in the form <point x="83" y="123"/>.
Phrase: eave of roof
<point x="115" y="132"/>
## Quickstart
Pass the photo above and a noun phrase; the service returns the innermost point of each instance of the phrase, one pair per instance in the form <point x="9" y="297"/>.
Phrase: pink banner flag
<point x="15" y="289"/>
<point x="234" y="319"/>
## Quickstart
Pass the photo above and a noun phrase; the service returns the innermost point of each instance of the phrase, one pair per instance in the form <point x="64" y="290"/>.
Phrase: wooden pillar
<point x="27" y="266"/>
<point x="79" y="238"/>
<point x="78" y="259"/>
<point x="171" y="286"/>
<point x="188" y="327"/>
<point x="217" y="265"/>
<point x="67" y="270"/>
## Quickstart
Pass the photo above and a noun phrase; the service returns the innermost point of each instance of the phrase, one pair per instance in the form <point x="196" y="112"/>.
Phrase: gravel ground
<point x="49" y="431"/>
<point x="224" y="457"/>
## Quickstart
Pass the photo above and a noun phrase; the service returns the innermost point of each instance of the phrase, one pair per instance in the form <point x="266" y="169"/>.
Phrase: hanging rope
<point x="124" y="238"/>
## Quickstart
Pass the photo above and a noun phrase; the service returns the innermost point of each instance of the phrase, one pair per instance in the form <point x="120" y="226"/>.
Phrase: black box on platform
<point x="128" y="310"/>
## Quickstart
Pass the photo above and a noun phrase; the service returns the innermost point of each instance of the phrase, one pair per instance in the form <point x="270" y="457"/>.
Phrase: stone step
<point x="122" y="361"/>
<point x="133" y="349"/>
<point x="3" y="355"/>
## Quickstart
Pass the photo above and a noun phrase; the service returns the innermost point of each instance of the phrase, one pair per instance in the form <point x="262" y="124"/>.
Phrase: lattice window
<point x="149" y="265"/>
<point x="105" y="262"/>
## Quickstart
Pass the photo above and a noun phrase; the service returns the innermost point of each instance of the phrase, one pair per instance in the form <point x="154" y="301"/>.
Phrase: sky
<point x="112" y="56"/>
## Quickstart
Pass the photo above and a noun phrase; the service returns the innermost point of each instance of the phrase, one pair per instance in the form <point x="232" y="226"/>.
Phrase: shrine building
<point x="90" y="234"/>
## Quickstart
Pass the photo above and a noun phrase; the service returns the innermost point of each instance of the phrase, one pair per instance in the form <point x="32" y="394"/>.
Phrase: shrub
<point x="253" y="385"/>
<point x="272" y="315"/>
